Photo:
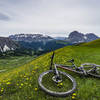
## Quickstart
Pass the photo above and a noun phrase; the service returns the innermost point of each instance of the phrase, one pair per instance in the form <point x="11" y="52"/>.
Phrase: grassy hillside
<point x="22" y="83"/>
<point x="14" y="61"/>
<point x="95" y="43"/>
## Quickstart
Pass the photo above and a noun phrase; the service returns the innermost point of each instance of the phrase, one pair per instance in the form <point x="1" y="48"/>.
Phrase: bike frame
<point x="56" y="71"/>
<point x="65" y="67"/>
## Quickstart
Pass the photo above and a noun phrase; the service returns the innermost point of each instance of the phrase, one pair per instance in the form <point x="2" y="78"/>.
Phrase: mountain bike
<point x="55" y="77"/>
<point x="55" y="82"/>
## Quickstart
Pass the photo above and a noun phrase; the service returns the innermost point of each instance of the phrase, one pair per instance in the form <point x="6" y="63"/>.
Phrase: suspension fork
<point x="56" y="78"/>
<point x="56" y="71"/>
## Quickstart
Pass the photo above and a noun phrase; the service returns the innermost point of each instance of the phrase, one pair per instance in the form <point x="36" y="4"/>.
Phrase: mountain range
<point x="43" y="42"/>
<point x="31" y="37"/>
<point x="39" y="42"/>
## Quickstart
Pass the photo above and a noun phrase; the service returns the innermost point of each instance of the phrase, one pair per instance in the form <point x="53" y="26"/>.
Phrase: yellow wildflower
<point x="2" y="89"/>
<point x="27" y="78"/>
<point x="61" y="84"/>
<point x="73" y="97"/>
<point x="36" y="89"/>
<point x="22" y="84"/>
<point x="8" y="83"/>
<point x="74" y="94"/>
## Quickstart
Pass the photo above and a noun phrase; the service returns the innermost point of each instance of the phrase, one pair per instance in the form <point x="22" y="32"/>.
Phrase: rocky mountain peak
<point x="77" y="37"/>
<point x="7" y="44"/>
<point x="30" y="37"/>
<point x="91" y="36"/>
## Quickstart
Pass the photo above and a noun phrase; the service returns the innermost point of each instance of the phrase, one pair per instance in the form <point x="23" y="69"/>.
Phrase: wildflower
<point x="73" y="97"/>
<point x="61" y="84"/>
<point x="74" y="94"/>
<point x="8" y="83"/>
<point x="36" y="89"/>
<point x="27" y="78"/>
<point x="22" y="84"/>
<point x="2" y="89"/>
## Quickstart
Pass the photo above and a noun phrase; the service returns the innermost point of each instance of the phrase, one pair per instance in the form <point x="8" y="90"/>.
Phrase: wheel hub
<point x="56" y="79"/>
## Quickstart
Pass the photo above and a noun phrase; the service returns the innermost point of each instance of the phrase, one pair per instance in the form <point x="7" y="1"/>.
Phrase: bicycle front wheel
<point x="64" y="88"/>
<point x="92" y="69"/>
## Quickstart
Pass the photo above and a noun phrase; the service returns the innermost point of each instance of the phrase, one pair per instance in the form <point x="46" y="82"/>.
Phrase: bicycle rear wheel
<point x="49" y="86"/>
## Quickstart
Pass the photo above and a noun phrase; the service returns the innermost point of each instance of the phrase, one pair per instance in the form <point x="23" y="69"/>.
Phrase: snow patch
<point x="40" y="49"/>
<point x="85" y="37"/>
<point x="6" y="48"/>
<point x="12" y="48"/>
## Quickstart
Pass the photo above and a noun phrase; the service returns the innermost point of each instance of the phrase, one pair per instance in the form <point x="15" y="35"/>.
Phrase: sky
<point x="54" y="17"/>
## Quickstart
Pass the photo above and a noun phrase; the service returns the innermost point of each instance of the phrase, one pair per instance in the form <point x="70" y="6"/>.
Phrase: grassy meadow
<point x="21" y="83"/>
<point x="12" y="62"/>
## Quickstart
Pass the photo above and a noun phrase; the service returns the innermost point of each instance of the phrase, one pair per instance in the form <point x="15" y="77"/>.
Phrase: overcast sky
<point x="58" y="17"/>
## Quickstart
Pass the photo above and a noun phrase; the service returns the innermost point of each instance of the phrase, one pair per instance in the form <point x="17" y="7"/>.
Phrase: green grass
<point x="12" y="62"/>
<point x="51" y="85"/>
<point x="21" y="83"/>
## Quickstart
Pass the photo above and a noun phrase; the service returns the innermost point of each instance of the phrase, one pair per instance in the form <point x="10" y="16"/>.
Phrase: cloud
<point x="54" y="16"/>
<point x="4" y="17"/>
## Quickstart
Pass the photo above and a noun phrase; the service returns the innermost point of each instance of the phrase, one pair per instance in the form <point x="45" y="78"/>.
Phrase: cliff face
<point x="77" y="37"/>
<point x="7" y="44"/>
<point x="30" y="37"/>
